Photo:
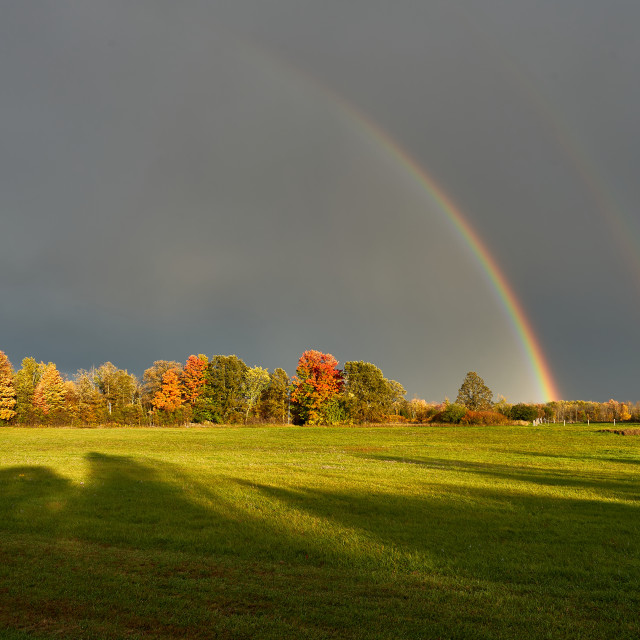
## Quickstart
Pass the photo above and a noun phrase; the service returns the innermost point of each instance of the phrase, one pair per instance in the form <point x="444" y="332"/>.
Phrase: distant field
<point x="385" y="532"/>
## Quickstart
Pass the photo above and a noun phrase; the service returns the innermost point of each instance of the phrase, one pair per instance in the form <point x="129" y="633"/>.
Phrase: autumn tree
<point x="315" y="387"/>
<point x="118" y="387"/>
<point x="50" y="394"/>
<point x="274" y="401"/>
<point x="625" y="413"/>
<point x="169" y="397"/>
<point x="25" y="382"/>
<point x="90" y="407"/>
<point x="194" y="377"/>
<point x="152" y="379"/>
<point x="421" y="411"/>
<point x="7" y="390"/>
<point x="502" y="406"/>
<point x="474" y="393"/>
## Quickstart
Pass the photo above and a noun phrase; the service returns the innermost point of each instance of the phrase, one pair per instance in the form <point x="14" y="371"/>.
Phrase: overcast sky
<point x="192" y="177"/>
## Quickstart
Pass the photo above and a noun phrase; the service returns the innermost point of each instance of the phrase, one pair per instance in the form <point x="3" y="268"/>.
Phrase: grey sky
<point x="179" y="178"/>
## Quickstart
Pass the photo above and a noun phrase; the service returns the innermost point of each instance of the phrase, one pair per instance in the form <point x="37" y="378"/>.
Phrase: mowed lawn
<point x="290" y="532"/>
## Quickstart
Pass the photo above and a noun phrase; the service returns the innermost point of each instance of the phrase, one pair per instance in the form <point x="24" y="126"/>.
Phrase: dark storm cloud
<point x="168" y="186"/>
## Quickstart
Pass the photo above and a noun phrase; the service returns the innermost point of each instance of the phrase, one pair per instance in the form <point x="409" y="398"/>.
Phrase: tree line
<point x="220" y="389"/>
<point x="475" y="405"/>
<point x="223" y="389"/>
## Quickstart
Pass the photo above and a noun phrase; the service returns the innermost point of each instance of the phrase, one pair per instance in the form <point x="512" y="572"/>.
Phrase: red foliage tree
<point x="317" y="381"/>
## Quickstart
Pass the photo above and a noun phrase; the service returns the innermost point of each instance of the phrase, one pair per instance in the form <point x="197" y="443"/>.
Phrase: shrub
<point x="484" y="417"/>
<point x="523" y="411"/>
<point x="452" y="413"/>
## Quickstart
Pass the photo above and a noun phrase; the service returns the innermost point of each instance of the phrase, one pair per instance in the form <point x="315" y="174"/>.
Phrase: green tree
<point x="452" y="412"/>
<point x="398" y="392"/>
<point x="223" y="397"/>
<point x="474" y="393"/>
<point x="369" y="396"/>
<point x="527" y="412"/>
<point x="274" y="401"/>
<point x="7" y="390"/>
<point x="256" y="380"/>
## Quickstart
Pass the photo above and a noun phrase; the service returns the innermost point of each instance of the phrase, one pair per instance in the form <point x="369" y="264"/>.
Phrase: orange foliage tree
<point x="169" y="397"/>
<point x="193" y="377"/>
<point x="316" y="383"/>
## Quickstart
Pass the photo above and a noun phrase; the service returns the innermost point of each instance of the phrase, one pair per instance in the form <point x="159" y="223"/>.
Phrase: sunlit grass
<point x="425" y="532"/>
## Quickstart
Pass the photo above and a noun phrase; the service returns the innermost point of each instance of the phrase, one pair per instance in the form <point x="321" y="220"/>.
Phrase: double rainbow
<point x="495" y="275"/>
<point x="522" y="327"/>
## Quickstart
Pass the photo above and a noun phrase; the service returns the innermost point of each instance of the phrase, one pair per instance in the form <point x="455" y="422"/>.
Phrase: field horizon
<point x="409" y="531"/>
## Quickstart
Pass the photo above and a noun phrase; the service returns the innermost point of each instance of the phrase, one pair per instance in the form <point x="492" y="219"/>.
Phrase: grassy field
<point x="398" y="532"/>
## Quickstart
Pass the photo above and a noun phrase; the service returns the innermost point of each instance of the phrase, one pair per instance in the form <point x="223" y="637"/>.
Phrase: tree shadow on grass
<point x="166" y="551"/>
<point x="563" y="548"/>
<point x="144" y="540"/>
<point x="126" y="503"/>
<point x="32" y="499"/>
<point x="627" y="487"/>
<point x="633" y="459"/>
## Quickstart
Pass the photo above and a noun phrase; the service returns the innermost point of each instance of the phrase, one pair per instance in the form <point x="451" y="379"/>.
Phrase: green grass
<point x="399" y="532"/>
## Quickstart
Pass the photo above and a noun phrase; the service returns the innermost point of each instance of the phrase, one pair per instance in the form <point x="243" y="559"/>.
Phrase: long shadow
<point x="477" y="534"/>
<point x="32" y="499"/>
<point x="627" y="487"/>
<point x="123" y="502"/>
<point x="539" y="454"/>
<point x="485" y="534"/>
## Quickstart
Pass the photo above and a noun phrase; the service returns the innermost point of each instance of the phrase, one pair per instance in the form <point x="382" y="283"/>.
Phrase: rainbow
<point x="369" y="129"/>
<point x="515" y="312"/>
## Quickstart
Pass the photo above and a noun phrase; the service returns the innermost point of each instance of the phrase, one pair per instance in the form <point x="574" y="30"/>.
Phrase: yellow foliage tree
<point x="50" y="392"/>
<point x="7" y="390"/>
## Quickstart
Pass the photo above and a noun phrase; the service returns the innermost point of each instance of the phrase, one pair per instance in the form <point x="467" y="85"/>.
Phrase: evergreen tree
<point x="223" y="397"/>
